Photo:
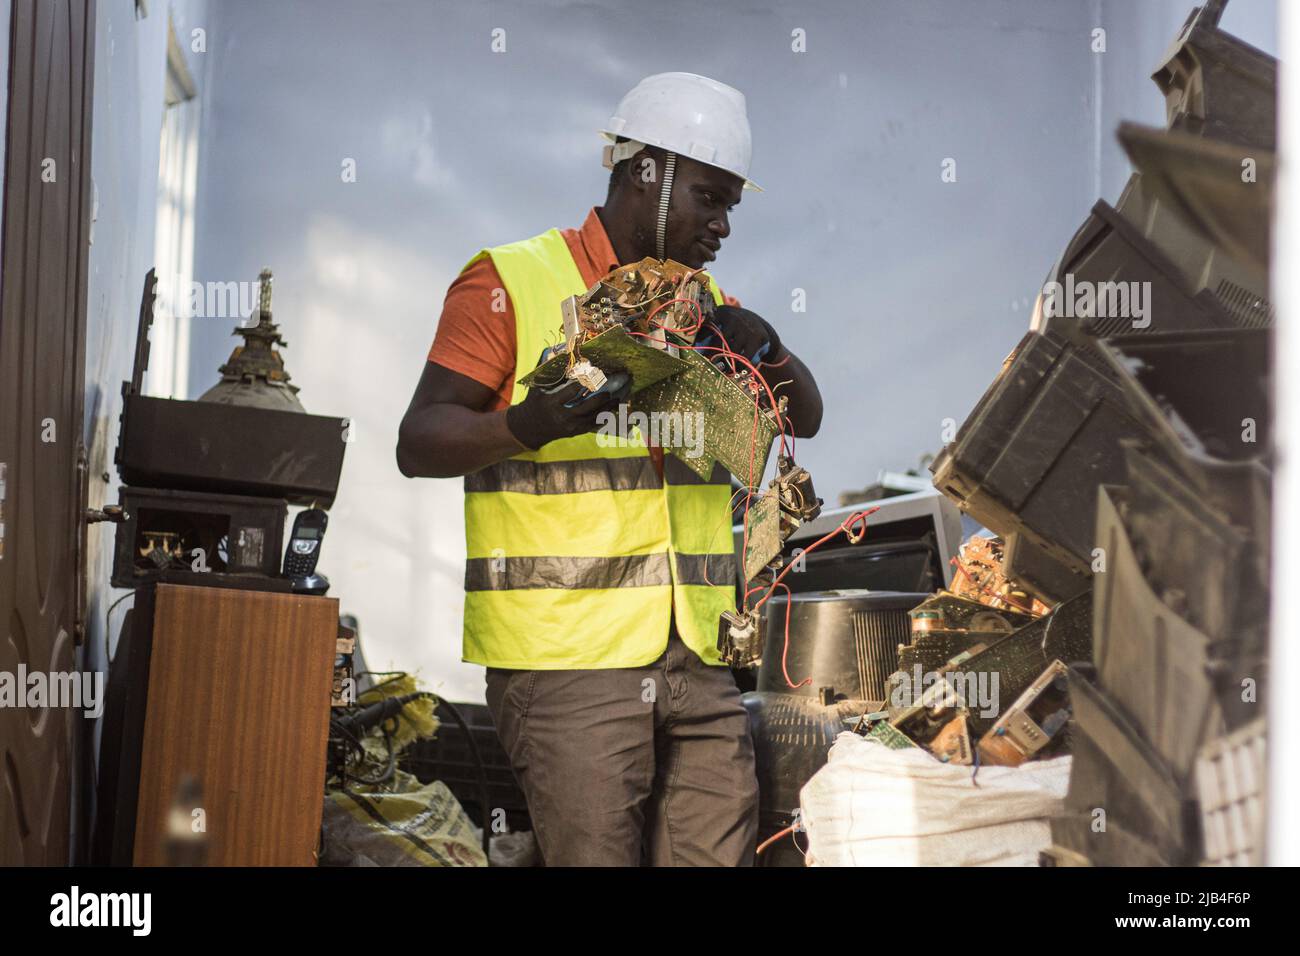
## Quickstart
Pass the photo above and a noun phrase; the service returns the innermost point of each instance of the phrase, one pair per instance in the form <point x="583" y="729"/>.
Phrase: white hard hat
<point x="686" y="114"/>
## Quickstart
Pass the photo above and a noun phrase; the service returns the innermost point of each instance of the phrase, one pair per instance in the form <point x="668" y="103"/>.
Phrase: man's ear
<point x="643" y="170"/>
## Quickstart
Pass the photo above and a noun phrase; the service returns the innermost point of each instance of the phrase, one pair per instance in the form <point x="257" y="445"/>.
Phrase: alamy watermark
<point x="670" y="429"/>
<point x="80" y="690"/>
<point x="205" y="300"/>
<point x="1102" y="300"/>
<point x="975" y="690"/>
<point x="129" y="910"/>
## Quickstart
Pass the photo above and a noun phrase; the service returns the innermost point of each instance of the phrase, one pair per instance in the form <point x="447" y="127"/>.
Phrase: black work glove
<point x="543" y="417"/>
<point x="746" y="333"/>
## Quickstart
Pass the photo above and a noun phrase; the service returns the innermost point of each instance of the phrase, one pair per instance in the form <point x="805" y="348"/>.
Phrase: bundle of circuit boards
<point x="641" y="321"/>
<point x="653" y="298"/>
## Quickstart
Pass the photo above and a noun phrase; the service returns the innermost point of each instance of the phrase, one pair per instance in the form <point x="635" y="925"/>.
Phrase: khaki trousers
<point x="635" y="765"/>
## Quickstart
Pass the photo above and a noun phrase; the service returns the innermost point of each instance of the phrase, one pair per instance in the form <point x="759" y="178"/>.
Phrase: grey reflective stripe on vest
<point x="629" y="571"/>
<point x="677" y="473"/>
<point x="589" y="474"/>
<point x="511" y="574"/>
<point x="717" y="569"/>
<point x="565" y="477"/>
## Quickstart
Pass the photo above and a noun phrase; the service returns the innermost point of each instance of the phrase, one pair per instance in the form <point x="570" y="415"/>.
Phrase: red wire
<point x="789" y="600"/>
<point x="772" y="839"/>
<point x="843" y="526"/>
<point x="776" y="364"/>
<point x="692" y="303"/>
<point x="749" y="485"/>
<point x="725" y="344"/>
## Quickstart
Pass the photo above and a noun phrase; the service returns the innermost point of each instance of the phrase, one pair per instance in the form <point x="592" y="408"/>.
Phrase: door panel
<point x="42" y="337"/>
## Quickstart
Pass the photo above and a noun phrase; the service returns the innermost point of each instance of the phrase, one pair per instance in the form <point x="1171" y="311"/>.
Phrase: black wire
<point x="478" y="766"/>
<point x="387" y="775"/>
<point x="357" y="745"/>
<point x="108" y="627"/>
<point x="108" y="672"/>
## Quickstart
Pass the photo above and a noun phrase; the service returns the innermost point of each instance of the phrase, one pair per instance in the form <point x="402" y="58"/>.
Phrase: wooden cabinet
<point x="239" y="702"/>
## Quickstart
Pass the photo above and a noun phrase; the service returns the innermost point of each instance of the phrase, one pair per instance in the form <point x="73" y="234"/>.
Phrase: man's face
<point x="699" y="213"/>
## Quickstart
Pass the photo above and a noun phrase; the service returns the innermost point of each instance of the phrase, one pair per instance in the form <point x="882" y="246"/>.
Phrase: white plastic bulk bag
<point x="873" y="806"/>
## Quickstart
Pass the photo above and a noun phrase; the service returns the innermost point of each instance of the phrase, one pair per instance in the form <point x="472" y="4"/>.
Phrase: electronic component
<point x="740" y="638"/>
<point x="952" y="744"/>
<point x="889" y="735"/>
<point x="794" y="490"/>
<point x="1030" y="724"/>
<point x="944" y="625"/>
<point x="187" y="537"/>
<point x="763" y="535"/>
<point x="587" y="375"/>
<point x="608" y="386"/>
<point x="644" y="298"/>
<point x="924" y="708"/>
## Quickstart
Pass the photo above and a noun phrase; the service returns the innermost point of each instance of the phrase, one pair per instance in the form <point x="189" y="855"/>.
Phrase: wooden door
<point x="42" y="361"/>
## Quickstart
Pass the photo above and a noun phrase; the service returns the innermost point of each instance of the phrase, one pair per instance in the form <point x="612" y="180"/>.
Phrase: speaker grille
<point x="876" y="636"/>
<point x="1251" y="311"/>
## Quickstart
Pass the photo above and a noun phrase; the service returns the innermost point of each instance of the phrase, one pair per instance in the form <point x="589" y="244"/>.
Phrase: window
<point x="178" y="164"/>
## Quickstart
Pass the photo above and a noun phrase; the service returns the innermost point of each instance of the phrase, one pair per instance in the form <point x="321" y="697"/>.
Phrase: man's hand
<point x="745" y="333"/>
<point x="543" y="417"/>
<point x="750" y="335"/>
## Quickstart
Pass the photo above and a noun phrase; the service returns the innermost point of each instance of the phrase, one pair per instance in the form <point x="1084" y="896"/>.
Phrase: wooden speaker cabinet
<point x="237" y="715"/>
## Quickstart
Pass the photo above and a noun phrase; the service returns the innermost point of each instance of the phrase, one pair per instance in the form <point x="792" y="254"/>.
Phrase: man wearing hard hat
<point x="595" y="575"/>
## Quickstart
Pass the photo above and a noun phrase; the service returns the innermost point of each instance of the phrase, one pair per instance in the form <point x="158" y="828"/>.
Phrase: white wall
<point x="916" y="289"/>
<point x="130" y="56"/>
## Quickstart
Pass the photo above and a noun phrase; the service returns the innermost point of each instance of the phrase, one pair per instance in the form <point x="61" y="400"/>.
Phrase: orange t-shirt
<point x="476" y="333"/>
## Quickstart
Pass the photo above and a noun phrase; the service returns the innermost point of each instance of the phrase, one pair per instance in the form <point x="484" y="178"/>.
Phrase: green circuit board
<point x="612" y="351"/>
<point x="731" y="434"/>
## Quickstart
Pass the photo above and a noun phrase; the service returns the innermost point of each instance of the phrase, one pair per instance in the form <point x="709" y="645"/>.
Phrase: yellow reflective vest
<point x="578" y="553"/>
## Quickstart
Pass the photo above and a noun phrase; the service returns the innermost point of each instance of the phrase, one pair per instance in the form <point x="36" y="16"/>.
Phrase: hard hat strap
<point x="665" y="196"/>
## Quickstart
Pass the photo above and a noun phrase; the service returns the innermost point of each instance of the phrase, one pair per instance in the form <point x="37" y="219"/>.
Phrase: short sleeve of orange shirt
<point x="476" y="333"/>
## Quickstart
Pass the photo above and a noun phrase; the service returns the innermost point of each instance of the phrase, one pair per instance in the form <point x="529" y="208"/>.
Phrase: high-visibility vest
<point x="578" y="553"/>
